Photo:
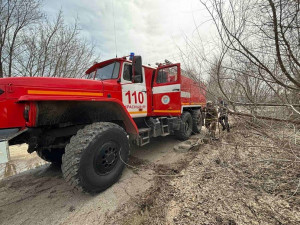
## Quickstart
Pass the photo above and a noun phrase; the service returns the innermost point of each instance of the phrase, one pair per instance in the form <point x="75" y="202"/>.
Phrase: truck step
<point x="144" y="136"/>
<point x="165" y="130"/>
<point x="143" y="130"/>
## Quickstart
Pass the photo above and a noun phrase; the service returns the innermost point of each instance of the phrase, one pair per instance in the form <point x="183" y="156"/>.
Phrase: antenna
<point x="115" y="29"/>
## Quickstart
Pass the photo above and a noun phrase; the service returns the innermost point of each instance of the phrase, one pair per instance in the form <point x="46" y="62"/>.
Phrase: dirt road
<point x="41" y="196"/>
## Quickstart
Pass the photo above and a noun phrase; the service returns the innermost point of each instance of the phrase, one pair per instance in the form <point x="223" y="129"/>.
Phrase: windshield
<point x="110" y="71"/>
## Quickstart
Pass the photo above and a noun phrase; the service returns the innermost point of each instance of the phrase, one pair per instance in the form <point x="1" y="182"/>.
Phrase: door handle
<point x="144" y="91"/>
<point x="176" y="89"/>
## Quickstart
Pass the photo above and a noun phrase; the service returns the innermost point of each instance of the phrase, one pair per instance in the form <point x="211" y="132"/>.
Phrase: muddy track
<point x="41" y="196"/>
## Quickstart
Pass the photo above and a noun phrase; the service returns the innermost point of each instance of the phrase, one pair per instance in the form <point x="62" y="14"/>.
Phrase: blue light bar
<point x="131" y="56"/>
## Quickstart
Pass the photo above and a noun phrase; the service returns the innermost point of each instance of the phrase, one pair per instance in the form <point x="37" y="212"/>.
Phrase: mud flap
<point x="4" y="152"/>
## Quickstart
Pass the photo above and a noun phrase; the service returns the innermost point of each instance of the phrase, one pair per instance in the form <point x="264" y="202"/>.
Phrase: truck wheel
<point x="94" y="158"/>
<point x="53" y="155"/>
<point x="197" y="121"/>
<point x="186" y="125"/>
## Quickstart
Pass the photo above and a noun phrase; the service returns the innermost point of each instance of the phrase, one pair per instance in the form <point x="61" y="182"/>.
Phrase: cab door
<point x="134" y="95"/>
<point x="166" y="91"/>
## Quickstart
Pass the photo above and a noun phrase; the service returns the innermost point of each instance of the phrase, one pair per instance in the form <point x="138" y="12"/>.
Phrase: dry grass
<point x="249" y="176"/>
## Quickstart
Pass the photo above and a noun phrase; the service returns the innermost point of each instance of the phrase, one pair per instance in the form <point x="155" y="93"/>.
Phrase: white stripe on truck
<point x="166" y="89"/>
<point x="185" y="94"/>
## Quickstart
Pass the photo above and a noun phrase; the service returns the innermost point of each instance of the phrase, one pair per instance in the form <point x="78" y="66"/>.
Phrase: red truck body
<point x="87" y="124"/>
<point x="147" y="99"/>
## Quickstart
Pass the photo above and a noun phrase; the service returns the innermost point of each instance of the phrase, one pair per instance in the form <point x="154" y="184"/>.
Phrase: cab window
<point x="167" y="75"/>
<point x="110" y="71"/>
<point x="127" y="73"/>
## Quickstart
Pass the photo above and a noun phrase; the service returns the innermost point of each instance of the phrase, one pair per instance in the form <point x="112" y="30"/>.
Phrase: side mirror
<point x="137" y="69"/>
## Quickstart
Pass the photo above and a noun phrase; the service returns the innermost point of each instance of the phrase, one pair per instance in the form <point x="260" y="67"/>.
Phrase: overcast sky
<point x="151" y="28"/>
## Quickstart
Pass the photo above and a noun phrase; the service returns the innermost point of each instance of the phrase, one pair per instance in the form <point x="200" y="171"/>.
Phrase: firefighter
<point x="223" y="114"/>
<point x="211" y="118"/>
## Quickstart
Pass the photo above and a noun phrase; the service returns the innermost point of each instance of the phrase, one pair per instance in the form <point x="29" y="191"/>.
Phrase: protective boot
<point x="222" y="124"/>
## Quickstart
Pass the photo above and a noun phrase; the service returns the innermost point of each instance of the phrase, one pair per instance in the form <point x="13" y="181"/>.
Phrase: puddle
<point x="12" y="168"/>
<point x="21" y="161"/>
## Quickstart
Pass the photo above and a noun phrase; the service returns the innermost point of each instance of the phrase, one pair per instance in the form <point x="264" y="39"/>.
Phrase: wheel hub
<point x="106" y="158"/>
<point x="110" y="158"/>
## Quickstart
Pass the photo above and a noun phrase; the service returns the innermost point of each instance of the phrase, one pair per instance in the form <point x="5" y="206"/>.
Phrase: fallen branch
<point x="264" y="104"/>
<point x="264" y="117"/>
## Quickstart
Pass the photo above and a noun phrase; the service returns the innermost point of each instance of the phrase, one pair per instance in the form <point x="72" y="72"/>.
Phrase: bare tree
<point x="54" y="49"/>
<point x="260" y="57"/>
<point x="15" y="17"/>
<point x="32" y="45"/>
<point x="265" y="33"/>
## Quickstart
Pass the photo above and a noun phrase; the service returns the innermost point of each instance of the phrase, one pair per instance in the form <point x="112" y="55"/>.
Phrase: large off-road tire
<point x="92" y="162"/>
<point x="197" y="121"/>
<point x="51" y="155"/>
<point x="186" y="126"/>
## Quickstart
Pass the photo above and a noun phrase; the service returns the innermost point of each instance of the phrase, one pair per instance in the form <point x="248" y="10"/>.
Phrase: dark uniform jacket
<point x="211" y="114"/>
<point x="223" y="110"/>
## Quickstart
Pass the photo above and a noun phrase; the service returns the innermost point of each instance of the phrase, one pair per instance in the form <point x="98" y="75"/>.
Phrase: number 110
<point x="137" y="97"/>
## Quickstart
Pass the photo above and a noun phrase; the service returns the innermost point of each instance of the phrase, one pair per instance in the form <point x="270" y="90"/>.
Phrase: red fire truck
<point x="88" y="124"/>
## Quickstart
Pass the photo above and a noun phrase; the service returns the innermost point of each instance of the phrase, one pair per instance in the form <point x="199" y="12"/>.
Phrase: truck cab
<point x="157" y="91"/>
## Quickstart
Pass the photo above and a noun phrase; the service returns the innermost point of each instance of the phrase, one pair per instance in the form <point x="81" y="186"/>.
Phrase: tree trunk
<point x="264" y="117"/>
